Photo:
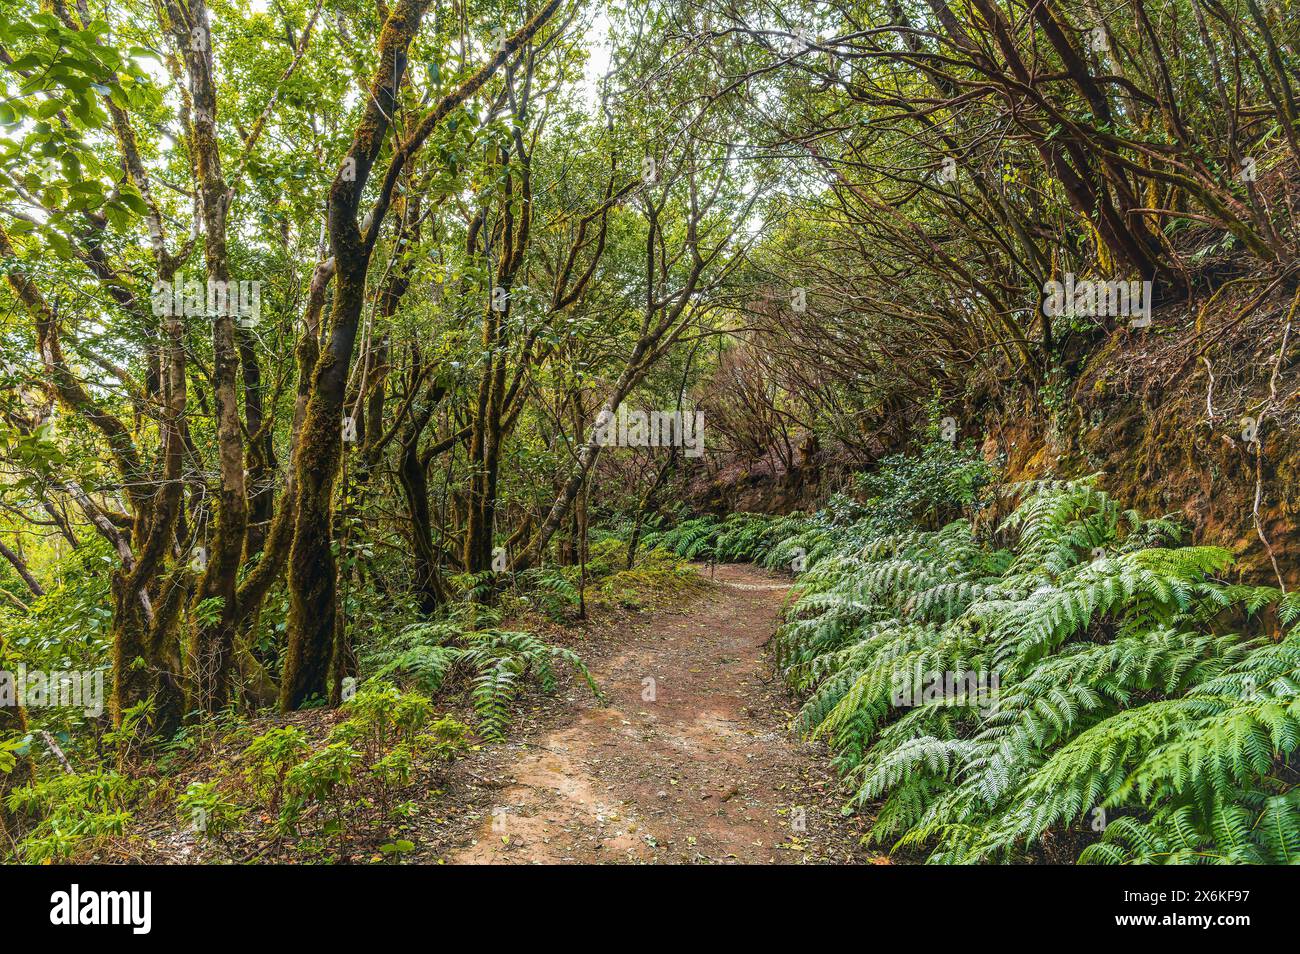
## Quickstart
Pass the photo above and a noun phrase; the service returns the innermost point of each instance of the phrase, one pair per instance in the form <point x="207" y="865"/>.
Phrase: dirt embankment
<point x="1195" y="416"/>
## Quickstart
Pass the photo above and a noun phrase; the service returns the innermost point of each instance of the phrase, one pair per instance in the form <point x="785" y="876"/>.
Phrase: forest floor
<point x="689" y="759"/>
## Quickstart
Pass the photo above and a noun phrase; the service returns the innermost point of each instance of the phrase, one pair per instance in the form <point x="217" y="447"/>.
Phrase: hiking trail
<point x="691" y="759"/>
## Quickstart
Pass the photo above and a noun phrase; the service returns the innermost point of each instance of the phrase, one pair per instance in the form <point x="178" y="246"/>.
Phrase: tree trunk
<point x="313" y="609"/>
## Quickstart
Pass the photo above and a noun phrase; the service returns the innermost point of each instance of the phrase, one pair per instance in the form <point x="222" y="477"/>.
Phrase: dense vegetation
<point x="1069" y="671"/>
<point x="315" y="315"/>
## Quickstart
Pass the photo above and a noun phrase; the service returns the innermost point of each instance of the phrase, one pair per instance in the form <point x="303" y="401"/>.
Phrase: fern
<point x="495" y="663"/>
<point x="1115" y="689"/>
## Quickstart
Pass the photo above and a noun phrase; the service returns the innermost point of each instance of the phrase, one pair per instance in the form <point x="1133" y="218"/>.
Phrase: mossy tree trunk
<point x="313" y="608"/>
<point x="412" y="475"/>
<point x="210" y="655"/>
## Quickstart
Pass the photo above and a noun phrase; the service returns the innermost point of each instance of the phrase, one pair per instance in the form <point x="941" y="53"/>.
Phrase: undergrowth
<point x="314" y="789"/>
<point x="315" y="796"/>
<point x="1075" y="683"/>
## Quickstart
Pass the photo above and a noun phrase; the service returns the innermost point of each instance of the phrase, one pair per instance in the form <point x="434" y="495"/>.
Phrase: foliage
<point x="355" y="773"/>
<point x="180" y="515"/>
<point x="322" y="778"/>
<point x="379" y="711"/>
<point x="71" y="813"/>
<point x="206" y="811"/>
<point x="926" y="489"/>
<point x="1118" y="682"/>
<point x="10" y="751"/>
<point x="494" y="663"/>
<point x="551" y="590"/>
<point x="741" y="537"/>
<point x="268" y="759"/>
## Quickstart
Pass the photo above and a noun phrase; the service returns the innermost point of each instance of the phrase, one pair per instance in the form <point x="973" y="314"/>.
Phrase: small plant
<point x="73" y="812"/>
<point x="322" y="779"/>
<point x="394" y="769"/>
<point x="445" y="740"/>
<point x="691" y="539"/>
<point x="393" y="851"/>
<point x="269" y="758"/>
<point x="925" y="490"/>
<point x="412" y="714"/>
<point x="496" y="661"/>
<point x="392" y="773"/>
<point x="206" y="811"/>
<point x="382" y="715"/>
<point x="550" y="590"/>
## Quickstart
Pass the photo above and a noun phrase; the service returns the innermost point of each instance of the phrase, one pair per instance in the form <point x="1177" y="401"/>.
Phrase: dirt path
<point x="690" y="760"/>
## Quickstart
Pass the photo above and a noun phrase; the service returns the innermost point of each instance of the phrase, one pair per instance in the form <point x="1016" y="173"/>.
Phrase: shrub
<point x="321" y="779"/>
<point x="269" y="758"/>
<point x="926" y="489"/>
<point x="73" y="812"/>
<point x="207" y="811"/>
<point x="379" y="711"/>
<point x="370" y="755"/>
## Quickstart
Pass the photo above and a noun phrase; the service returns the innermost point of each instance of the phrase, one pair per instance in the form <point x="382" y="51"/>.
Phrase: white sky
<point x="597" y="42"/>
